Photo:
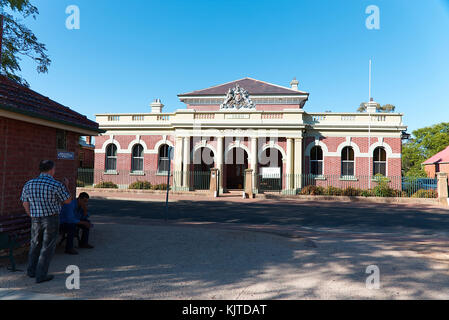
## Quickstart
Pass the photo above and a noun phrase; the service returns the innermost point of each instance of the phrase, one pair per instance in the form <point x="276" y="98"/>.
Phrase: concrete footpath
<point x="138" y="258"/>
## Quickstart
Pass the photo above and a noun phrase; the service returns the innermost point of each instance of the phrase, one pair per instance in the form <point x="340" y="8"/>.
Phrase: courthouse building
<point x="248" y="124"/>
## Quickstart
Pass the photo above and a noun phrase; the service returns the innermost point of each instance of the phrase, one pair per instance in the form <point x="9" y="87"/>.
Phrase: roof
<point x="442" y="156"/>
<point x="83" y="144"/>
<point x="17" y="98"/>
<point x="253" y="86"/>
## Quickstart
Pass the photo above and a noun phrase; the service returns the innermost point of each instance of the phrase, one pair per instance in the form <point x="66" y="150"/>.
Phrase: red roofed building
<point x="34" y="128"/>
<point x="437" y="163"/>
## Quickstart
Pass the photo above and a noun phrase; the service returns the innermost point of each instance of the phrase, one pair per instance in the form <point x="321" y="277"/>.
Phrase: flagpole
<point x="369" y="129"/>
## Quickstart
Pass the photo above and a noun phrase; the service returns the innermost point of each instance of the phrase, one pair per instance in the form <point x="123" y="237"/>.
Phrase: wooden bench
<point x="14" y="233"/>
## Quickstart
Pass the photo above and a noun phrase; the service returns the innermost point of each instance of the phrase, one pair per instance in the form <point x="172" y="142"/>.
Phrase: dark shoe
<point x="47" y="278"/>
<point x="86" y="246"/>
<point x="31" y="275"/>
<point x="72" y="252"/>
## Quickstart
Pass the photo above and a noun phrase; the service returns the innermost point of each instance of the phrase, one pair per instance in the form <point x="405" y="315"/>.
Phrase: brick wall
<point x="22" y="146"/>
<point x="363" y="165"/>
<point x="433" y="169"/>
<point x="88" y="158"/>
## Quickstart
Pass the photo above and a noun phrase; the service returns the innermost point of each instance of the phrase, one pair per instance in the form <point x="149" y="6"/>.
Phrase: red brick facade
<point x="23" y="146"/>
<point x="433" y="169"/>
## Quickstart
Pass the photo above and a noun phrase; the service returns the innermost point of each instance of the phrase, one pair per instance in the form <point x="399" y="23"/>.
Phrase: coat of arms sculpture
<point x="237" y="98"/>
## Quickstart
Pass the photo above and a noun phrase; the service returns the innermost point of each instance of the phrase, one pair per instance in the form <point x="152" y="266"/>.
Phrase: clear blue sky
<point x="128" y="53"/>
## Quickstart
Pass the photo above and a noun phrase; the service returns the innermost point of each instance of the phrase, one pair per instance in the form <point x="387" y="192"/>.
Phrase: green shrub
<point x="351" y="192"/>
<point x="383" y="188"/>
<point x="312" y="190"/>
<point x="422" y="193"/>
<point x="162" y="186"/>
<point x="333" y="191"/>
<point x="367" y="193"/>
<point x="140" y="185"/>
<point x="106" y="185"/>
<point x="80" y="184"/>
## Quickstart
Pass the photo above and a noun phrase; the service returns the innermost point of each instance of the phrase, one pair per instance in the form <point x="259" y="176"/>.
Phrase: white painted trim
<point x="158" y="145"/>
<point x="203" y="144"/>
<point x="238" y="144"/>
<point x="323" y="146"/>
<point x="317" y="143"/>
<point x="274" y="146"/>
<point x="111" y="140"/>
<point x="384" y="145"/>
<point x="131" y="145"/>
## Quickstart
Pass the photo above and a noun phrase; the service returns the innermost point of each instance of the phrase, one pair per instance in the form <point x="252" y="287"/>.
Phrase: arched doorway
<point x="203" y="161"/>
<point x="235" y="165"/>
<point x="271" y="170"/>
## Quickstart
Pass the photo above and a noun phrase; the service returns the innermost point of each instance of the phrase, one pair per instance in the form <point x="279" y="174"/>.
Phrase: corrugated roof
<point x="17" y="98"/>
<point x="442" y="156"/>
<point x="253" y="86"/>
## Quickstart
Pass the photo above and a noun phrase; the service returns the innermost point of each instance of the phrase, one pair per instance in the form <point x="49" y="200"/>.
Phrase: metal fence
<point x="331" y="185"/>
<point x="143" y="180"/>
<point x="368" y="186"/>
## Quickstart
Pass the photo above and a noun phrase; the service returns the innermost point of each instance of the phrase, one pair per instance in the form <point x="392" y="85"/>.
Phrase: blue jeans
<point x="44" y="235"/>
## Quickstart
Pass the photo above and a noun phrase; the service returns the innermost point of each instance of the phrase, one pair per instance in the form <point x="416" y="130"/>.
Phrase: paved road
<point x="137" y="257"/>
<point x="335" y="216"/>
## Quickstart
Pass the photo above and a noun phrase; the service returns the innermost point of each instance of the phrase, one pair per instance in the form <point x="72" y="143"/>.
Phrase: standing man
<point x="42" y="199"/>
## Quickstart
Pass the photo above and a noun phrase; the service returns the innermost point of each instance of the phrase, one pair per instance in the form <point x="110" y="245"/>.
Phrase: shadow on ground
<point x="144" y="261"/>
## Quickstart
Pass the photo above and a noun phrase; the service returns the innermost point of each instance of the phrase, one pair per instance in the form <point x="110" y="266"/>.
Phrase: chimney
<point x="371" y="106"/>
<point x="294" y="84"/>
<point x="88" y="139"/>
<point x="156" y="106"/>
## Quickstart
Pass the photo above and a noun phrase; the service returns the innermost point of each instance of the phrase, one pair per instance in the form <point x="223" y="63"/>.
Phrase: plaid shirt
<point x="45" y="196"/>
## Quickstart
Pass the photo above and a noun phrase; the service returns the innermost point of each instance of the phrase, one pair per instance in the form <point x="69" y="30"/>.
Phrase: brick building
<point x="33" y="128"/>
<point x="437" y="163"/>
<point x="241" y="124"/>
<point x="86" y="154"/>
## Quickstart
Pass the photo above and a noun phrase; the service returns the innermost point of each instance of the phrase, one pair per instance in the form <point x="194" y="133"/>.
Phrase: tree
<point x="19" y="41"/>
<point x="426" y="143"/>
<point x="385" y="108"/>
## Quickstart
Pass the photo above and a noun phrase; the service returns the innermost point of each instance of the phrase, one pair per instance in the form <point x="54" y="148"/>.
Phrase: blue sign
<point x="64" y="155"/>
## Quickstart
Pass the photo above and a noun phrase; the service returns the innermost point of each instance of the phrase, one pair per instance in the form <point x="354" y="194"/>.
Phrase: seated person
<point x="74" y="215"/>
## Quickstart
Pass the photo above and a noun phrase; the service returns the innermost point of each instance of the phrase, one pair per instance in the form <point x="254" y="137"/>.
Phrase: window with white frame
<point x="111" y="158"/>
<point x="347" y="162"/>
<point x="316" y="161"/>
<point x="137" y="158"/>
<point x="380" y="161"/>
<point x="164" y="159"/>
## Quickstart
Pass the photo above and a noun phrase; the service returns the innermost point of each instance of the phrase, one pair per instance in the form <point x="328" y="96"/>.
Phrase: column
<point x="220" y="166"/>
<point x="290" y="164"/>
<point x="186" y="164"/>
<point x="177" y="170"/>
<point x="254" y="161"/>
<point x="442" y="188"/>
<point x="298" y="159"/>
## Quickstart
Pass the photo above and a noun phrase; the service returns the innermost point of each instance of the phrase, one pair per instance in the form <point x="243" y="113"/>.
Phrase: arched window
<point x="380" y="161"/>
<point x="347" y="162"/>
<point x="316" y="161"/>
<point x="111" y="157"/>
<point x="137" y="158"/>
<point x="164" y="159"/>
